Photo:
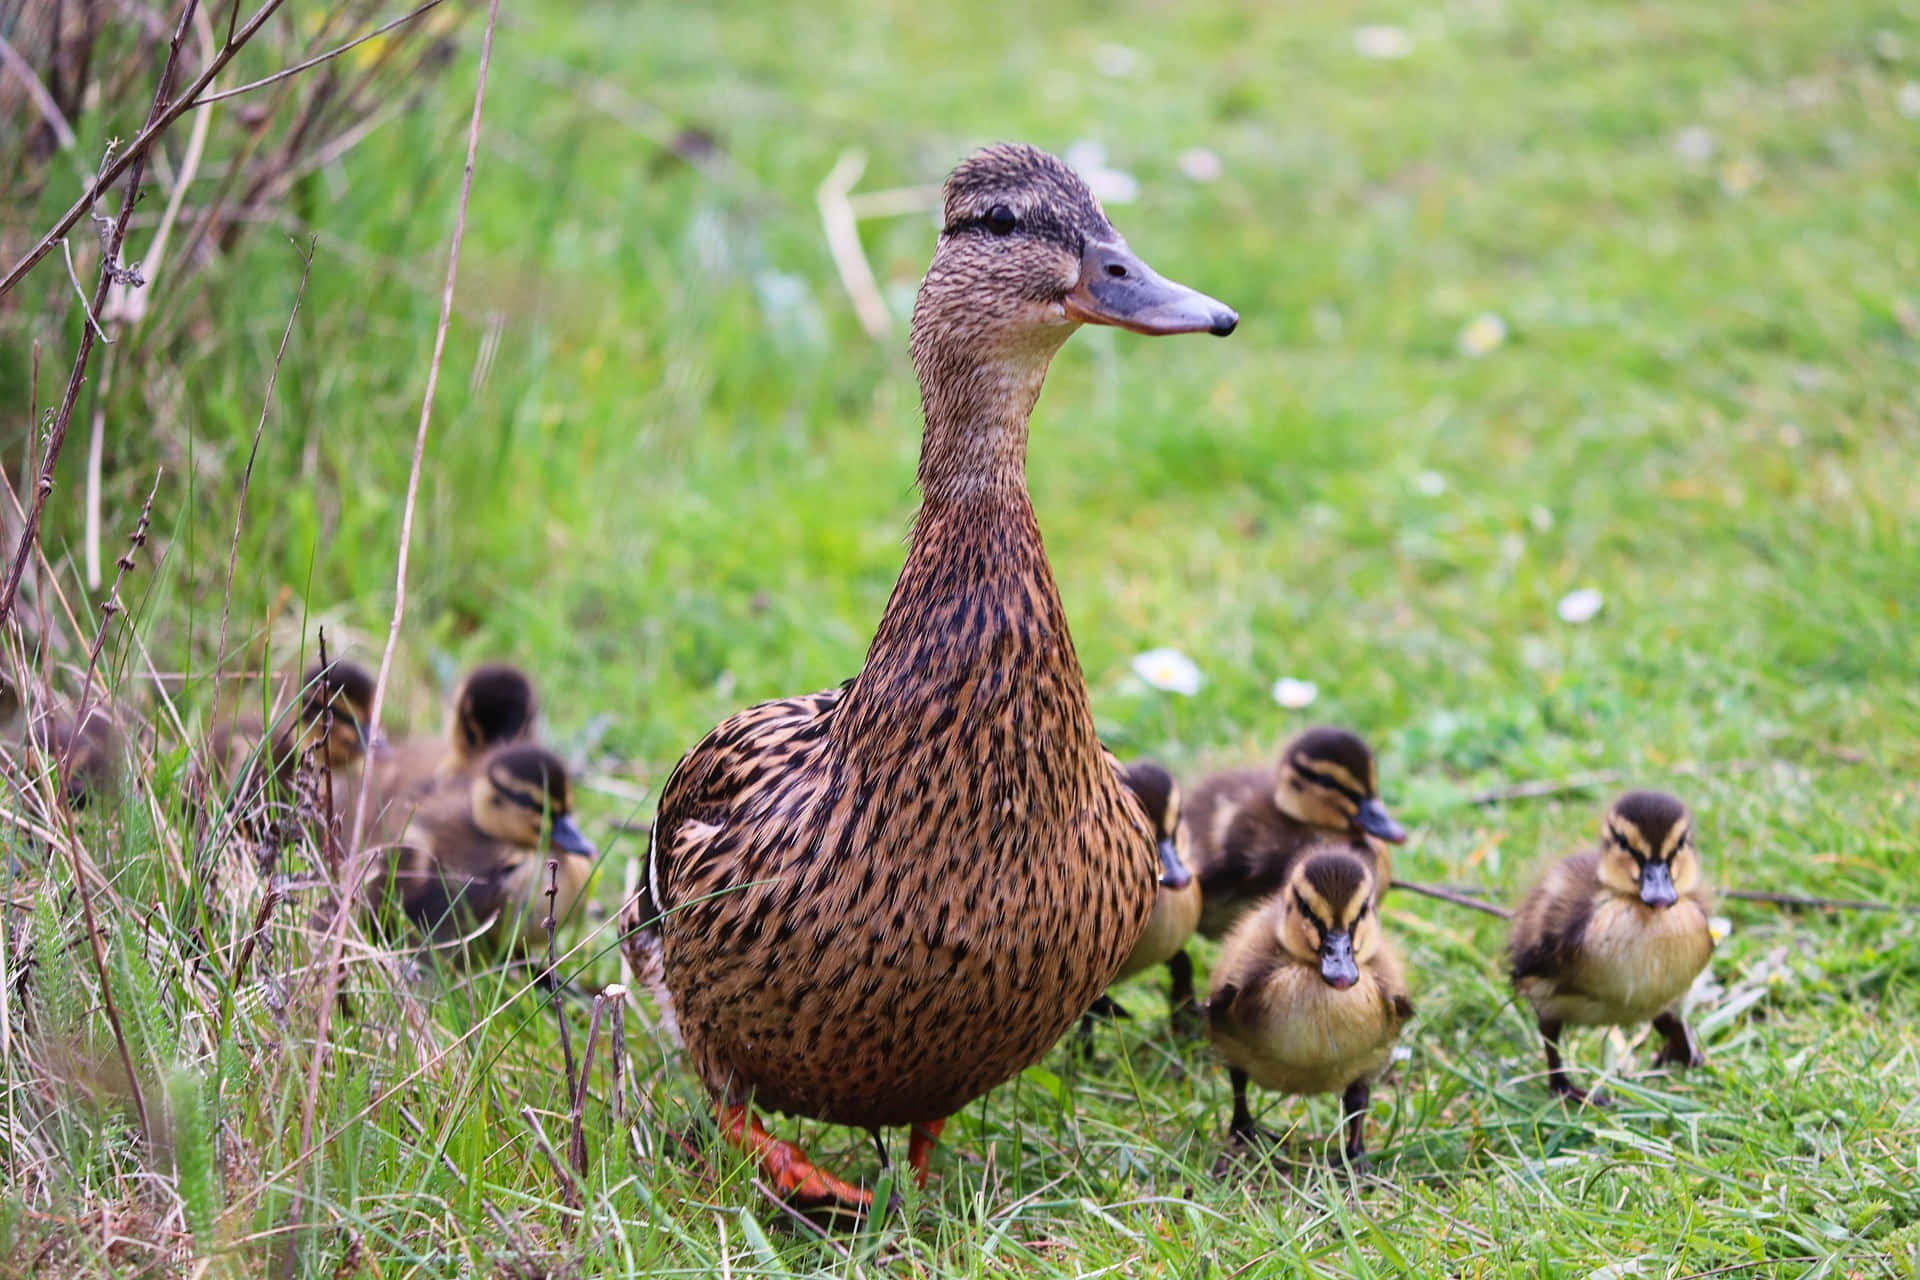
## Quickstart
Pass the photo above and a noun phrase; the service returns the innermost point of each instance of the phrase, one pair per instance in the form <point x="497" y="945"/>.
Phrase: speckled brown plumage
<point x="877" y="902"/>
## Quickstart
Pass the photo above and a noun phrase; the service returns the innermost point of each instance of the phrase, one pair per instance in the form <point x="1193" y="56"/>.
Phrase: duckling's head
<point x="1646" y="849"/>
<point x="1326" y="779"/>
<point x="520" y="797"/>
<point x="1159" y="795"/>
<point x="495" y="703"/>
<point x="336" y="702"/>
<point x="1026" y="255"/>
<point x="1327" y="916"/>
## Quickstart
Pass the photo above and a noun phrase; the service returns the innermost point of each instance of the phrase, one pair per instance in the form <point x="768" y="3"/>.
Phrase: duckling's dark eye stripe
<point x="1328" y="781"/>
<point x="1307" y="911"/>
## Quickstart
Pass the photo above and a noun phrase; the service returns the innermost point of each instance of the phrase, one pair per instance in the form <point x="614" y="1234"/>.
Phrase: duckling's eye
<point x="1000" y="220"/>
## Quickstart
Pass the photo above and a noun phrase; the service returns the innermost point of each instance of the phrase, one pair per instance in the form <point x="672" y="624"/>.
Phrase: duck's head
<point x="1159" y="796"/>
<point x="1646" y="849"/>
<point x="1026" y="255"/>
<point x="336" y="702"/>
<point x="1327" y="916"/>
<point x="1326" y="779"/>
<point x="494" y="704"/>
<point x="520" y="797"/>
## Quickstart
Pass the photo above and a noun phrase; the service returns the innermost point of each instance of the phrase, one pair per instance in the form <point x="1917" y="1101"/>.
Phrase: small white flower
<point x="1720" y="927"/>
<point x="1201" y="164"/>
<point x="1483" y="333"/>
<point x="1382" y="43"/>
<point x="1116" y="60"/>
<point x="1168" y="670"/>
<point x="1907" y="101"/>
<point x="1694" y="144"/>
<point x="1430" y="484"/>
<point x="1294" y="694"/>
<point x="1541" y="519"/>
<point x="1401" y="1053"/>
<point x="1579" y="606"/>
<point x="1113" y="186"/>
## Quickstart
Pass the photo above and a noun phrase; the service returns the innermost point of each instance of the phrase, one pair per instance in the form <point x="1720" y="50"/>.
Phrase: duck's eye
<point x="1000" y="220"/>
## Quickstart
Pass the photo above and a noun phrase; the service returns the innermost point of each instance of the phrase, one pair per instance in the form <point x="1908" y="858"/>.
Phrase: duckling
<point x="1616" y="935"/>
<point x="475" y="851"/>
<point x="335" y="703"/>
<point x="90" y="755"/>
<point x="1308" y="995"/>
<point x="1244" y="827"/>
<point x="1176" y="910"/>
<point x="493" y="704"/>
<point x="871" y="905"/>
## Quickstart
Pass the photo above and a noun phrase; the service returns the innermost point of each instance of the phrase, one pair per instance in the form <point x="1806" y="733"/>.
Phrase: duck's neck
<point x="975" y="624"/>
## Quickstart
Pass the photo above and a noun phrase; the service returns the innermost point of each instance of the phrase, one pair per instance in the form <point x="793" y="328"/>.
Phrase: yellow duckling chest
<point x="1175" y="914"/>
<point x="1635" y="962"/>
<point x="1300" y="1035"/>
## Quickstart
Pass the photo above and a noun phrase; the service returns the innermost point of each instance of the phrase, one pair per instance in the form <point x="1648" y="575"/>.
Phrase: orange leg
<point x="920" y="1148"/>
<point x="786" y="1166"/>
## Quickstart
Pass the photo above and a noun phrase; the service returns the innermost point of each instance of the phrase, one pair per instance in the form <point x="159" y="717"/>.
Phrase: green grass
<point x="683" y="485"/>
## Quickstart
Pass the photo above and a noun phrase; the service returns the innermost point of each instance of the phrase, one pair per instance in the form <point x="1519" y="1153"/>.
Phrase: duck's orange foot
<point x="920" y="1148"/>
<point x="794" y="1177"/>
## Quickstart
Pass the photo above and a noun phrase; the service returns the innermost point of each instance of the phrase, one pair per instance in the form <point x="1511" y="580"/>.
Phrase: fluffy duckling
<point x="1177" y="908"/>
<point x="1308" y="996"/>
<point x="1616" y="935"/>
<point x="244" y="757"/>
<point x="475" y="852"/>
<point x="89" y="754"/>
<point x="493" y="704"/>
<point x="1243" y="828"/>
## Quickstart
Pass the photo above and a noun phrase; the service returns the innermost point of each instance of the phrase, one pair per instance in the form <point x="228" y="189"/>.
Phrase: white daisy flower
<point x="1201" y="164"/>
<point x="1694" y="144"/>
<point x="1088" y="158"/>
<point x="1294" y="694"/>
<point x="1117" y="60"/>
<point x="1907" y="101"/>
<point x="1430" y="484"/>
<point x="1720" y="927"/>
<point x="1483" y="333"/>
<point x="1169" y="670"/>
<point x="1580" y="606"/>
<point x="1382" y="43"/>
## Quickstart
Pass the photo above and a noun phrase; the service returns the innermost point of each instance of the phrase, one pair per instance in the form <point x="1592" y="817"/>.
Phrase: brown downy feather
<point x="879" y="901"/>
<point x="1244" y="827"/>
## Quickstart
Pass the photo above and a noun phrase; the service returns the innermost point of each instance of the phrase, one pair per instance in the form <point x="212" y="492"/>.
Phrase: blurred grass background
<point x="670" y="474"/>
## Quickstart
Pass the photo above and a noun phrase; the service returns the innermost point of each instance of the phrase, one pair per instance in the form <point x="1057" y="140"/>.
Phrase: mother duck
<point x="873" y="904"/>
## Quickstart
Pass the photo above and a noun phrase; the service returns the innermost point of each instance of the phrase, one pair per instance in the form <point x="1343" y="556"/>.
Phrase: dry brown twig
<point x="1457" y="897"/>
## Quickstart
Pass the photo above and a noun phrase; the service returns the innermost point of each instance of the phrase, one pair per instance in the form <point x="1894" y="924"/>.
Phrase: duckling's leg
<point x="1184" y="1015"/>
<point x="1353" y="1103"/>
<point x="920" y="1145"/>
<point x="1557" y="1079"/>
<point x="786" y="1166"/>
<point x="1681" y="1049"/>
<point x="1243" y="1130"/>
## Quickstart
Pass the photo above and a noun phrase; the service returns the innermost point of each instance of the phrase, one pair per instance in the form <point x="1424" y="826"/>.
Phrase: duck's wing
<point x="730" y="776"/>
<point x="1551" y="924"/>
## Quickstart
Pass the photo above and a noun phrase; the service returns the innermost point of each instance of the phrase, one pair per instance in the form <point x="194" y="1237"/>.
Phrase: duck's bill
<point x="1173" y="870"/>
<point x="567" y="838"/>
<point x="1117" y="288"/>
<point x="1337" y="965"/>
<point x="1376" y="822"/>
<point x="1656" y="885"/>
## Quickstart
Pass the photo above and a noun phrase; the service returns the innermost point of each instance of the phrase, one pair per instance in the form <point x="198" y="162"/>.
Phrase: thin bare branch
<point x="1456" y="897"/>
<point x="165" y="112"/>
<point x="328" y="56"/>
<point x="1802" y="902"/>
<point x="66" y="251"/>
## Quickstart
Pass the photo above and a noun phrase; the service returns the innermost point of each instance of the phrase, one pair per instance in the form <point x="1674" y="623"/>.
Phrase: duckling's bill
<point x="568" y="839"/>
<point x="1173" y="869"/>
<point x="1117" y="288"/>
<point x="1372" y="817"/>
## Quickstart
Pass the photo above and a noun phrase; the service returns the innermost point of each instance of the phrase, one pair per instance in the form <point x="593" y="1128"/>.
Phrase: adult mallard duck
<point x="1616" y="935"/>
<point x="871" y="905"/>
